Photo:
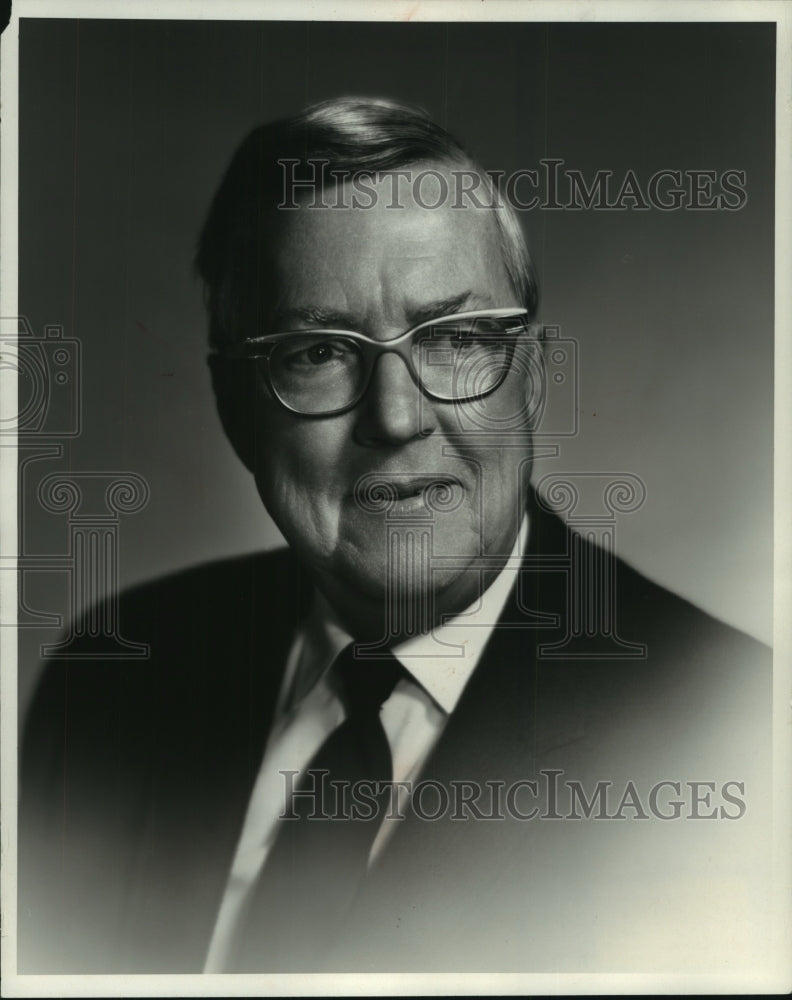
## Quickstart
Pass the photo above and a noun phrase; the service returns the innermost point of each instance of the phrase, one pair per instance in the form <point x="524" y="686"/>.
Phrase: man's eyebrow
<point x="447" y="307"/>
<point x="316" y="316"/>
<point x="335" y="319"/>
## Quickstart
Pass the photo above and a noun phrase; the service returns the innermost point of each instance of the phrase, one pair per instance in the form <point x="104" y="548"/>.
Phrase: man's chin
<point x="408" y="567"/>
<point x="396" y="601"/>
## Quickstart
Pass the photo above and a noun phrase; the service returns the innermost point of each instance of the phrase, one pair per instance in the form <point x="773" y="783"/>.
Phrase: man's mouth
<point x="377" y="492"/>
<point x="421" y="485"/>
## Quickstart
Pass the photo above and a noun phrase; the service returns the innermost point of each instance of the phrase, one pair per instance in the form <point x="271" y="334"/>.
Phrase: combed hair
<point x="354" y="135"/>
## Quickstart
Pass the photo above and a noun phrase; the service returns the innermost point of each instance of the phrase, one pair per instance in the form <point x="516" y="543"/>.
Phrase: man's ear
<point x="234" y="384"/>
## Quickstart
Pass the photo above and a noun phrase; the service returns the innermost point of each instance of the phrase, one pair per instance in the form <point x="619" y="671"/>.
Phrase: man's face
<point x="380" y="271"/>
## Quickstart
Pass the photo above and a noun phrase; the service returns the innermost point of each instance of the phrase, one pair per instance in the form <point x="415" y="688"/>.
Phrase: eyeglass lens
<point x="320" y="372"/>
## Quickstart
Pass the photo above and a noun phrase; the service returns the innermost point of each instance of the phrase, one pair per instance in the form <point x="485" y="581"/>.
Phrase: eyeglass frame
<point x="372" y="350"/>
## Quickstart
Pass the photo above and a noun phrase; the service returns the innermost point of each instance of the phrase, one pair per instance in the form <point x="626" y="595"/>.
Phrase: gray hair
<point x="353" y="135"/>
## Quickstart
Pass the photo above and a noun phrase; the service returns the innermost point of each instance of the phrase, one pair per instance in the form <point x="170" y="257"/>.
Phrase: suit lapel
<point x="206" y="766"/>
<point x="513" y="704"/>
<point x="513" y="712"/>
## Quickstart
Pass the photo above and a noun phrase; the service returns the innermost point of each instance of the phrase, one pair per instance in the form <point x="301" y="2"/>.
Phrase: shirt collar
<point x="442" y="660"/>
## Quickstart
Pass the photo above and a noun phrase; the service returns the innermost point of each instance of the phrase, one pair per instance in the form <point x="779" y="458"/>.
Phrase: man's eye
<point x="320" y="353"/>
<point x="316" y="353"/>
<point x="466" y="336"/>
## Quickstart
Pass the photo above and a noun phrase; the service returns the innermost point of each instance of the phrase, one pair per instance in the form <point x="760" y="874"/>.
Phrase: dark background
<point x="126" y="127"/>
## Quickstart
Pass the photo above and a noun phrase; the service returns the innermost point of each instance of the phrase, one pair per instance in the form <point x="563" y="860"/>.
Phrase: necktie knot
<point x="366" y="683"/>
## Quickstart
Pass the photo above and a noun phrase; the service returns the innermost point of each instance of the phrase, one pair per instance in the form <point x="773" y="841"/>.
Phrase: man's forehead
<point x="410" y="205"/>
<point x="340" y="255"/>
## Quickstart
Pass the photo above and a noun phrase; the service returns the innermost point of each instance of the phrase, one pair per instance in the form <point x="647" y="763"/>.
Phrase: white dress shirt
<point x="438" y="664"/>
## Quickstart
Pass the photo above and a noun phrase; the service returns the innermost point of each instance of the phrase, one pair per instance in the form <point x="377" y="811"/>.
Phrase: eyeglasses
<point x="451" y="359"/>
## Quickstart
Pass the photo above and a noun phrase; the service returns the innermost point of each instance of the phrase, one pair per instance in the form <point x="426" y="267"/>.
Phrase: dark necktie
<point x="319" y="859"/>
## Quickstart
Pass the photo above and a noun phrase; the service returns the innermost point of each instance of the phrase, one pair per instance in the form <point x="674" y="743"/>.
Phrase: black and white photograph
<point x="394" y="432"/>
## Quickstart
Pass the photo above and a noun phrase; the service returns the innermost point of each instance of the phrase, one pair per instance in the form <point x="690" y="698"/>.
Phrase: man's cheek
<point x="305" y="509"/>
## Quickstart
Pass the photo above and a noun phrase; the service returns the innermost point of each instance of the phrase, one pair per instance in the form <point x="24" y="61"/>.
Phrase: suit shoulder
<point x="629" y="655"/>
<point x="214" y="601"/>
<point x="271" y="576"/>
<point x="672" y="622"/>
<point x="214" y="634"/>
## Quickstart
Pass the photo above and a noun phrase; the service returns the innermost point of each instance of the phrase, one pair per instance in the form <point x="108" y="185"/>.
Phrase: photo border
<point x="15" y="984"/>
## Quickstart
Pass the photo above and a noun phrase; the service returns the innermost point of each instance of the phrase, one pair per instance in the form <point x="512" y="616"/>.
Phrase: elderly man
<point x="379" y="750"/>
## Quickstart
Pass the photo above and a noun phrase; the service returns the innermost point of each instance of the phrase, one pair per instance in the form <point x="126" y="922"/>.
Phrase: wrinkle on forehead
<point x="380" y="264"/>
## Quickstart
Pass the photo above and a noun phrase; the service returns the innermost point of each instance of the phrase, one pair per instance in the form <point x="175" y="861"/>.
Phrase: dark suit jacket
<point x="136" y="777"/>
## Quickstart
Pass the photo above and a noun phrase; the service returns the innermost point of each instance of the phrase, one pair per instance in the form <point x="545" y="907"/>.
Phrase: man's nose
<point x="393" y="411"/>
